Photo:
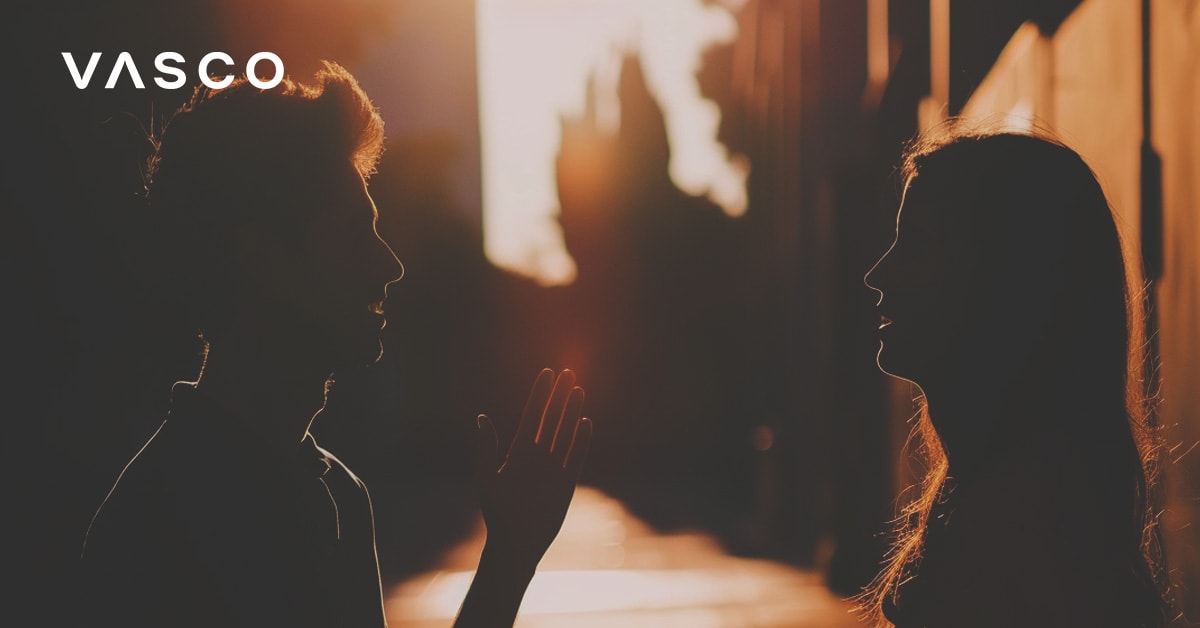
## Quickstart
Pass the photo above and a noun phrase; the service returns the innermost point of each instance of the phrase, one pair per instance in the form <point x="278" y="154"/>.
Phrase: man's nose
<point x="390" y="268"/>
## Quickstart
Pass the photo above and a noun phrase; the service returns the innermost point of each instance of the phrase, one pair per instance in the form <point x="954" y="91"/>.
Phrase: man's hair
<point x="241" y="156"/>
<point x="238" y="139"/>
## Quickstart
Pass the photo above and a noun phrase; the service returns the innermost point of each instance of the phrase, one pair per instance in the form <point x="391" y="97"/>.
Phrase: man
<point x="232" y="515"/>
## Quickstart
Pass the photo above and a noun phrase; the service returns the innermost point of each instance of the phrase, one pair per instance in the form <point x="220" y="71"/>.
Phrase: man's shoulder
<point x="131" y="546"/>
<point x="138" y="486"/>
<point x="338" y="469"/>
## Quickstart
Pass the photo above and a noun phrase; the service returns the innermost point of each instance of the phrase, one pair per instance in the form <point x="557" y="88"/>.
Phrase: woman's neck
<point x="982" y="418"/>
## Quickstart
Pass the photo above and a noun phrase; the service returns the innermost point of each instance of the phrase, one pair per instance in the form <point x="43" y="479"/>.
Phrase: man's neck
<point x="274" y="399"/>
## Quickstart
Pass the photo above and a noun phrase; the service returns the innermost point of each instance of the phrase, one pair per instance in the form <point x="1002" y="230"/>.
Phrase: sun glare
<point x="536" y="59"/>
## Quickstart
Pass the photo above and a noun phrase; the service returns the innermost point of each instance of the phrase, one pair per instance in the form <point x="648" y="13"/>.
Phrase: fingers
<point x="563" y="389"/>
<point x="487" y="458"/>
<point x="535" y="408"/>
<point x="552" y="420"/>
<point x="567" y="424"/>
<point x="580" y="444"/>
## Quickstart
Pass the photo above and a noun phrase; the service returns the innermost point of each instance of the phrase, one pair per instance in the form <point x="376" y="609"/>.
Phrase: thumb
<point x="487" y="459"/>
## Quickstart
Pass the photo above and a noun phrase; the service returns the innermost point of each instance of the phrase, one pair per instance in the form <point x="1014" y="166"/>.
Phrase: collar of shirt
<point x="198" y="410"/>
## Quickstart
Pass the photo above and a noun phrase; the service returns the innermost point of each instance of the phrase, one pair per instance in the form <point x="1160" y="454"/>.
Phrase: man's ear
<point x="258" y="254"/>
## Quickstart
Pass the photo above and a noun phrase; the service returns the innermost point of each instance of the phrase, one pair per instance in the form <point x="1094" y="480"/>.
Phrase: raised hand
<point x="525" y="499"/>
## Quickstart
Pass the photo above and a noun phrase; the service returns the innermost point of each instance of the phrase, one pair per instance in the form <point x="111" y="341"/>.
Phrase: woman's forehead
<point x="931" y="216"/>
<point x="916" y="205"/>
<point x="940" y="199"/>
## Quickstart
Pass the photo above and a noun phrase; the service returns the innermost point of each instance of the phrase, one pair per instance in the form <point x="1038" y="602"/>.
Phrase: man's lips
<point x="375" y="308"/>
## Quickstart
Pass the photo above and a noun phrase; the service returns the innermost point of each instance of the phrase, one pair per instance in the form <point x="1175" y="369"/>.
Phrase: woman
<point x="1005" y="297"/>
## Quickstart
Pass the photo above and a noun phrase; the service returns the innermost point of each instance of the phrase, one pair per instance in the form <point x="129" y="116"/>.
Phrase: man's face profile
<point x="323" y="279"/>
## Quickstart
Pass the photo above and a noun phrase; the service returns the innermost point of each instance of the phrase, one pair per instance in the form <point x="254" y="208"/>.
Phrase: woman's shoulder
<point x="1027" y="536"/>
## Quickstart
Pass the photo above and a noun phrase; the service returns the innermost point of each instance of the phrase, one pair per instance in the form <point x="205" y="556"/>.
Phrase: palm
<point x="525" y="500"/>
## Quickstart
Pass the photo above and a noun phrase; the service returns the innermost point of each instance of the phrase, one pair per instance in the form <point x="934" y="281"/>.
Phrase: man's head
<point x="266" y="220"/>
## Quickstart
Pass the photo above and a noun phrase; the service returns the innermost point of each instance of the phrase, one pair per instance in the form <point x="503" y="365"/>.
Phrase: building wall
<point x="1175" y="81"/>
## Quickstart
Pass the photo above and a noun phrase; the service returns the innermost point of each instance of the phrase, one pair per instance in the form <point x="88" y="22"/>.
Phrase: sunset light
<point x="608" y="568"/>
<point x="538" y="59"/>
<point x="603" y="313"/>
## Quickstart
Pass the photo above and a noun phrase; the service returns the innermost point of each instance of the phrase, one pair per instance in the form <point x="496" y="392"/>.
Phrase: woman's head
<point x="1006" y="265"/>
<point x="1007" y="288"/>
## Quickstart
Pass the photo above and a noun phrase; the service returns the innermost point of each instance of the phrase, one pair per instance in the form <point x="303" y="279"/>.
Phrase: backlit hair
<point x="1027" y="194"/>
<point x="240" y="156"/>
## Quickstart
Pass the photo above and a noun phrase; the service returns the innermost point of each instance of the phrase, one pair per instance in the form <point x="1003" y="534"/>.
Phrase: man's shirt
<point x="206" y="528"/>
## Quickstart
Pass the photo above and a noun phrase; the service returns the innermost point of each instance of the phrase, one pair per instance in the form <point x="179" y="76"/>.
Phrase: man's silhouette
<point x="231" y="514"/>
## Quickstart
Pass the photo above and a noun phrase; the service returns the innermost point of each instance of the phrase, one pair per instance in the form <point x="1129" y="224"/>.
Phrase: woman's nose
<point x="876" y="278"/>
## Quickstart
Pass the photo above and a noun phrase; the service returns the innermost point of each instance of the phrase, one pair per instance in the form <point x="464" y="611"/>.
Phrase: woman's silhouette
<point x="1006" y="298"/>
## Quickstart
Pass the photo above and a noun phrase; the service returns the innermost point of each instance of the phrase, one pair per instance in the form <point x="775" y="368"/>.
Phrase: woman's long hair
<point x="1035" y="188"/>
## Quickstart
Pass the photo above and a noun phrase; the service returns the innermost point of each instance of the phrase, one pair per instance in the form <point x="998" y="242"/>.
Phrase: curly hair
<point x="241" y="155"/>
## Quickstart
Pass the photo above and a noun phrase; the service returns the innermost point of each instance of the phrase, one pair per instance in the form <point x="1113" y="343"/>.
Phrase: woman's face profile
<point x="927" y="285"/>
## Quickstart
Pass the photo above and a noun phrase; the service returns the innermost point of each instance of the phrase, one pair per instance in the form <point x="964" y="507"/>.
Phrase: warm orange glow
<point x="933" y="109"/>
<point x="609" y="569"/>
<point x="537" y="59"/>
<point x="878" y="43"/>
<point x="939" y="50"/>
<point x="303" y="32"/>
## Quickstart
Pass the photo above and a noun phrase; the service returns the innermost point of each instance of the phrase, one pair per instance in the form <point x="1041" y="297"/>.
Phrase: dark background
<point x="691" y="331"/>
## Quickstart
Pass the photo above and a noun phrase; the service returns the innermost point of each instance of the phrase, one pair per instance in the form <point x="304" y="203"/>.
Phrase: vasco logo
<point x="162" y="63"/>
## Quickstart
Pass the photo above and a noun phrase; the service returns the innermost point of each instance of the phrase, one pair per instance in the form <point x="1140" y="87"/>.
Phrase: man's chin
<point x="378" y="354"/>
<point x="354" y="355"/>
<point x="366" y="355"/>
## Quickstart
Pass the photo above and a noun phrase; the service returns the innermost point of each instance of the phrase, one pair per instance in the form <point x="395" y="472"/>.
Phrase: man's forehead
<point x="329" y="178"/>
<point x="336" y="193"/>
